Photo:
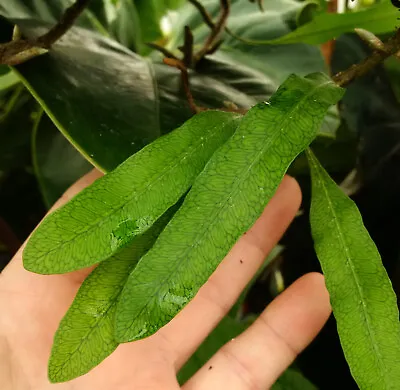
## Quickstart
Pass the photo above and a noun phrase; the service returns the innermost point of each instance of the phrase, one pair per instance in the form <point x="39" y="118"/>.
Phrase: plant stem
<point x="390" y="48"/>
<point x="185" y="82"/>
<point x="207" y="19"/>
<point x="11" y="102"/>
<point x="187" y="48"/>
<point x="216" y="32"/>
<point x="162" y="50"/>
<point x="21" y="50"/>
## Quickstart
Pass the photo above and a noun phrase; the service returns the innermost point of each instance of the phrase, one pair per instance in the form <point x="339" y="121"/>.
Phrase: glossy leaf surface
<point x="223" y="203"/>
<point x="112" y="211"/>
<point x="363" y="301"/>
<point x="85" y="336"/>
<point x="97" y="90"/>
<point x="110" y="102"/>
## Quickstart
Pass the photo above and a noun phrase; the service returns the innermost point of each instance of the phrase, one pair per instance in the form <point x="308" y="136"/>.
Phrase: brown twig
<point x="204" y="13"/>
<point x="162" y="50"/>
<point x="391" y="47"/>
<point x="190" y="59"/>
<point x="216" y="32"/>
<point x="21" y="50"/>
<point x="187" y="48"/>
<point x="185" y="82"/>
<point x="214" y="48"/>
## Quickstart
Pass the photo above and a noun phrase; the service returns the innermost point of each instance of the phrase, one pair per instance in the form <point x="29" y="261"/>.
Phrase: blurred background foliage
<point x="102" y="93"/>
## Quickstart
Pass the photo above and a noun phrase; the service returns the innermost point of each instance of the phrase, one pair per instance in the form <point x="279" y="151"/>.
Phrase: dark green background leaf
<point x="109" y="102"/>
<point x="56" y="162"/>
<point x="97" y="90"/>
<point x="15" y="128"/>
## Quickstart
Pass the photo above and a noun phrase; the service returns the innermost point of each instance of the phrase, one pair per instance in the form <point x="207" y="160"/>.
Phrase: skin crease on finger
<point x="32" y="305"/>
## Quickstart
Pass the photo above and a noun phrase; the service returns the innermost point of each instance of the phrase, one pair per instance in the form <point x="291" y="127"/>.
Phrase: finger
<point x="17" y="279"/>
<point x="190" y="327"/>
<point x="257" y="358"/>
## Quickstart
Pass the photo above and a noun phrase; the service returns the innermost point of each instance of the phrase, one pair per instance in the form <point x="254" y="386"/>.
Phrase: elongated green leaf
<point x="107" y="215"/>
<point x="223" y="203"/>
<point x="379" y="19"/>
<point x="85" y="336"/>
<point x="363" y="301"/>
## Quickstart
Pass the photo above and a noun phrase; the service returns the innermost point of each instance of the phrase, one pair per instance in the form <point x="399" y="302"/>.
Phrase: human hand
<point x="31" y="307"/>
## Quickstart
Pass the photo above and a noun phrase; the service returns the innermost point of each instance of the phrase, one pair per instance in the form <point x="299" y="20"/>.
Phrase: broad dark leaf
<point x="101" y="97"/>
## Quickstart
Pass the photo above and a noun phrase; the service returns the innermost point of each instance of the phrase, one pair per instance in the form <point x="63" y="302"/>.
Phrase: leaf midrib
<point x="359" y="288"/>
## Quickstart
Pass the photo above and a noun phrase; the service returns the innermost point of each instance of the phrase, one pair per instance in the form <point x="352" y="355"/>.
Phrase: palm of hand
<point x="31" y="307"/>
